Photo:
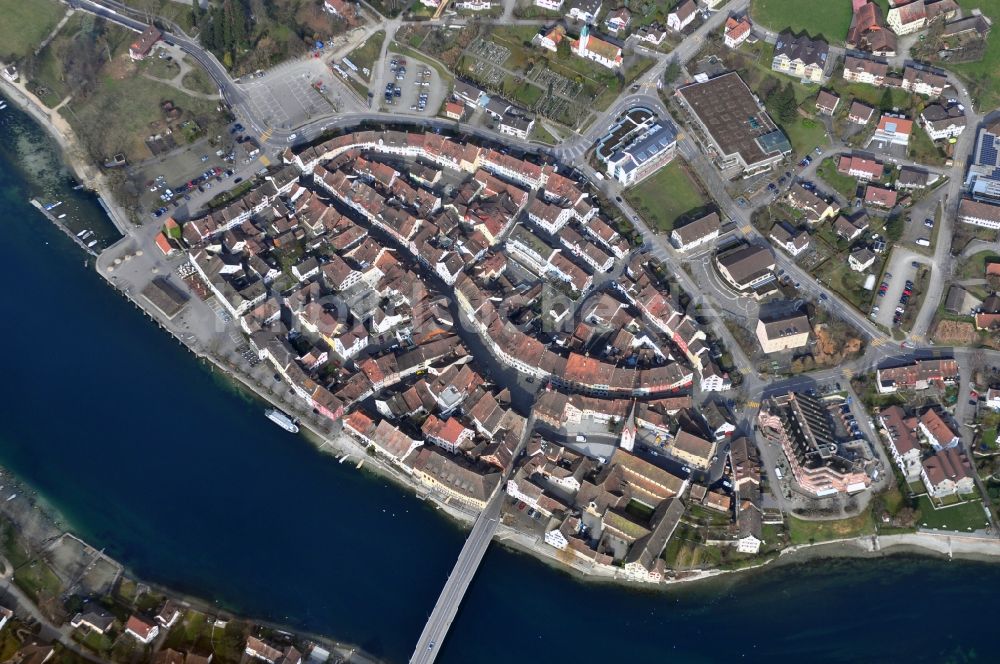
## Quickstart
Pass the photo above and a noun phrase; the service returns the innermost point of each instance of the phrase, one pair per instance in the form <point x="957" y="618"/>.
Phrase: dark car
<point x="237" y="180"/>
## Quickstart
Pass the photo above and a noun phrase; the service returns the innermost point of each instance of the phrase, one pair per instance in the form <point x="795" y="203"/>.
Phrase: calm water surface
<point x="145" y="452"/>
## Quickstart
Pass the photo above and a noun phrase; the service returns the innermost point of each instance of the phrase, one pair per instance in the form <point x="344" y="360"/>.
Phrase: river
<point x="144" y="451"/>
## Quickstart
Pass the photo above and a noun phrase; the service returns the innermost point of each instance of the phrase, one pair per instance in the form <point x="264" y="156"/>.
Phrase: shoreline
<point x="924" y="544"/>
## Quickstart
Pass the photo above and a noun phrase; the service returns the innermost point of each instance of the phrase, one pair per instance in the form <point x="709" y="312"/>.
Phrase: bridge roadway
<point x="458" y="581"/>
<point x="446" y="608"/>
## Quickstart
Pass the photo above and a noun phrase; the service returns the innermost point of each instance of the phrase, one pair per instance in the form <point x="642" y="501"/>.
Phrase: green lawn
<point x="120" y="113"/>
<point x="844" y="184"/>
<point x="803" y="532"/>
<point x="198" y="80"/>
<point x="667" y="195"/>
<point x="839" y="277"/>
<point x="364" y="56"/>
<point x="965" y="517"/>
<point x="805" y="135"/>
<point x="923" y="150"/>
<point x="975" y="266"/>
<point x="828" y="18"/>
<point x="540" y="133"/>
<point x="981" y="75"/>
<point x="25" y="24"/>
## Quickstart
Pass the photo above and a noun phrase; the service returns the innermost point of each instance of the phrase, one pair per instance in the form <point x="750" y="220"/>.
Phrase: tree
<point x="789" y="107"/>
<point x="885" y="103"/>
<point x="894" y="228"/>
<point x="672" y="71"/>
<point x="782" y="103"/>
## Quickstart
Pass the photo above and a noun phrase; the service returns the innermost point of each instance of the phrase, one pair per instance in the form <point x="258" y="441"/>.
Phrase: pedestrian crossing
<point x="918" y="338"/>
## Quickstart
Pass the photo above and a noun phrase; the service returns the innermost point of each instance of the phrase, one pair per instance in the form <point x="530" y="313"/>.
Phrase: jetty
<point x="51" y="217"/>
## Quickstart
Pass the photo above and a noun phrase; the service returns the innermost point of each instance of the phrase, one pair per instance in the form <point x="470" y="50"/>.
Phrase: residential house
<point x="923" y="82"/>
<point x="942" y="122"/>
<point x="747" y="267"/>
<point x="917" y="375"/>
<point x="904" y="446"/>
<point x="861" y="259"/>
<point x="977" y="213"/>
<point x="936" y="431"/>
<point x="142" y="46"/>
<point x="892" y="130"/>
<point x="583" y="10"/>
<point x="800" y="56"/>
<point x="617" y="20"/>
<point x="827" y="102"/>
<point x="140" y="630"/>
<point x="947" y="473"/>
<point x="785" y="332"/>
<point x="696" y="233"/>
<point x="880" y="197"/>
<point x="793" y="240"/>
<point x="516" y="124"/>
<point x="859" y="167"/>
<point x="814" y="208"/>
<point x="860" y="113"/>
<point x="908" y="17"/>
<point x="682" y="15"/>
<point x="737" y="31"/>
<point x="863" y="70"/>
<point x="850" y="229"/>
<point x="869" y="33"/>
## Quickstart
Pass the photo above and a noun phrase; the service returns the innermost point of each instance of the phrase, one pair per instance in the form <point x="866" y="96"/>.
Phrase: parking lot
<point x="416" y="88"/>
<point x="287" y="96"/>
<point x="902" y="270"/>
<point x="182" y="182"/>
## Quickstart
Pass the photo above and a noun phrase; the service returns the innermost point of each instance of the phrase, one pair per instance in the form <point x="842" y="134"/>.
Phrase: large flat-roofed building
<point x="918" y="375"/>
<point x="801" y="424"/>
<point x="637" y="145"/>
<point x="746" y="267"/>
<point x="983" y="178"/>
<point x="778" y="333"/>
<point x="735" y="124"/>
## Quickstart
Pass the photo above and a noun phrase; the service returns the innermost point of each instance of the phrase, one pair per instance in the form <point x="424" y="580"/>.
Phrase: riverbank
<point x="319" y="432"/>
<point x="74" y="154"/>
<point x="41" y="530"/>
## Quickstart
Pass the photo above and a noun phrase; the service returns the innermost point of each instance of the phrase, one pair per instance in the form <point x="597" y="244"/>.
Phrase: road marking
<point x="753" y="404"/>
<point x="745" y="229"/>
<point x="267" y="134"/>
<point x="848" y="373"/>
<point x="878" y="341"/>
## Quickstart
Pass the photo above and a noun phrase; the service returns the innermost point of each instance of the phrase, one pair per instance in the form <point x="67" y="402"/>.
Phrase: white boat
<point x="282" y="420"/>
<point x="3" y="105"/>
<point x="91" y="244"/>
<point x="82" y="233"/>
<point x="53" y="206"/>
<point x="62" y="216"/>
